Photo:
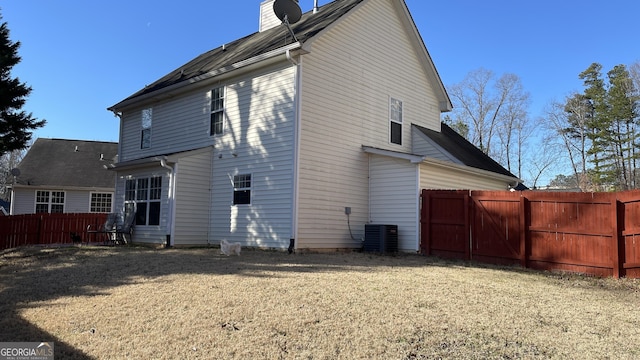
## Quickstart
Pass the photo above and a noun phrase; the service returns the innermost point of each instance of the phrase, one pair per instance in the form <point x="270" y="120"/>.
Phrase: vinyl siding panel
<point x="395" y="198"/>
<point x="347" y="80"/>
<point x="77" y="201"/>
<point x="178" y="124"/>
<point x="23" y="201"/>
<point x="258" y="140"/>
<point x="193" y="199"/>
<point x="439" y="177"/>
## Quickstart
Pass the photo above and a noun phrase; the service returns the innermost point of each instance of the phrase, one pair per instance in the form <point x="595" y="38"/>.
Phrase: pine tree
<point x="15" y="124"/>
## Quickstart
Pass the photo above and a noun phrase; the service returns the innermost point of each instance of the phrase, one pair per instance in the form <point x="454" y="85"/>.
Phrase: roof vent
<point x="76" y="150"/>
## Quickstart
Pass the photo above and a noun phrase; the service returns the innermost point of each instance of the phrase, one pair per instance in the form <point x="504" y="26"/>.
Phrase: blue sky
<point x="81" y="57"/>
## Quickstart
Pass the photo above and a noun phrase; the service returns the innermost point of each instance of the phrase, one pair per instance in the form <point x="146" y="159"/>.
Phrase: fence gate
<point x="484" y="226"/>
<point x="495" y="227"/>
<point x="445" y="223"/>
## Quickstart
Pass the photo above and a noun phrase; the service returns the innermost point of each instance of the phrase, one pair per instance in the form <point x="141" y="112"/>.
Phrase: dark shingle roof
<point x="73" y="163"/>
<point x="252" y="45"/>
<point x="463" y="150"/>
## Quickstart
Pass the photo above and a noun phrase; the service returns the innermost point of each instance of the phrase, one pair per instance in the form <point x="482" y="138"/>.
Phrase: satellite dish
<point x="288" y="11"/>
<point x="15" y="172"/>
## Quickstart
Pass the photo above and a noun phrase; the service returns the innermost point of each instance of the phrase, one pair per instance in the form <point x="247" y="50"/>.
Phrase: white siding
<point x="268" y="18"/>
<point x="258" y="141"/>
<point x="192" y="199"/>
<point x="395" y="198"/>
<point x="440" y="177"/>
<point x="347" y="80"/>
<point x="23" y="201"/>
<point x="178" y="124"/>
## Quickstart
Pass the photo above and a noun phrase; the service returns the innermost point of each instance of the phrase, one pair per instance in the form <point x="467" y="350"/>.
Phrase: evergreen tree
<point x="15" y="124"/>
<point x="598" y="127"/>
<point x="622" y="113"/>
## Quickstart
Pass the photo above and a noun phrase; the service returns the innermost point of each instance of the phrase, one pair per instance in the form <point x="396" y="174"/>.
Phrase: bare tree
<point x="476" y="106"/>
<point x="569" y="121"/>
<point x="513" y="124"/>
<point x="495" y="112"/>
<point x="8" y="161"/>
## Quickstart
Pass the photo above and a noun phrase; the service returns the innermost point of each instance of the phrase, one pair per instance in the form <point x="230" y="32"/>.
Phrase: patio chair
<point x="106" y="230"/>
<point x="126" y="228"/>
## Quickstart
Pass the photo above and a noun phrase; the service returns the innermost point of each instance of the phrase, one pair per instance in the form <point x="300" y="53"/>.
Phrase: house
<point x="295" y="139"/>
<point x="65" y="176"/>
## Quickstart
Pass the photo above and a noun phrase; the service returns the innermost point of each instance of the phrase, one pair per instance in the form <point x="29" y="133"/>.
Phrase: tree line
<point x="593" y="134"/>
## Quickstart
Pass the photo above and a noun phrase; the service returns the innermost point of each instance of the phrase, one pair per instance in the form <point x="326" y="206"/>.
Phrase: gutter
<point x="212" y="76"/>
<point x="296" y="149"/>
<point x="171" y="199"/>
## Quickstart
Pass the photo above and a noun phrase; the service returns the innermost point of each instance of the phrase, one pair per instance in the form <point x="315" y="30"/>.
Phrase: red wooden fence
<point x="46" y="229"/>
<point x="593" y="233"/>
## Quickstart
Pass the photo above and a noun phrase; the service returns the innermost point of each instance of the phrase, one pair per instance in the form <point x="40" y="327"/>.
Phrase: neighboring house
<point x="65" y="176"/>
<point x="271" y="141"/>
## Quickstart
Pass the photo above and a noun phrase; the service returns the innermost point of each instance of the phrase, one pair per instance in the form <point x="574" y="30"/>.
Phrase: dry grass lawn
<point x="101" y="303"/>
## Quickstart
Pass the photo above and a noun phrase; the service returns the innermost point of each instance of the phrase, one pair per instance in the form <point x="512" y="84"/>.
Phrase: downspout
<point x="171" y="197"/>
<point x="296" y="151"/>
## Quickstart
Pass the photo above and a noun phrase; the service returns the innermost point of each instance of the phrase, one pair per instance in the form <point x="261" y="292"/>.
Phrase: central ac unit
<point x="380" y="238"/>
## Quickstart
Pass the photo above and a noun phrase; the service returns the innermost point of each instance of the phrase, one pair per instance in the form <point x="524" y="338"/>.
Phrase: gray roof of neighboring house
<point x="68" y="163"/>
<point x="460" y="148"/>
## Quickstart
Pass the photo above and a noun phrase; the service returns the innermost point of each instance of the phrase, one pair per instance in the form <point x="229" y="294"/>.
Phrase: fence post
<point x="523" y="231"/>
<point x="468" y="213"/>
<point x="425" y="221"/>
<point x="615" y="237"/>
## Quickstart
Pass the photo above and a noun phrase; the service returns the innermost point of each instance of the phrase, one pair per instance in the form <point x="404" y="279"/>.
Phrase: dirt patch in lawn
<point x="196" y="303"/>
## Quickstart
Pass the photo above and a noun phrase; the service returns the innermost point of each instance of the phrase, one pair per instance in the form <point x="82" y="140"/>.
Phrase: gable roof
<point x="68" y="163"/>
<point x="464" y="151"/>
<point x="238" y="53"/>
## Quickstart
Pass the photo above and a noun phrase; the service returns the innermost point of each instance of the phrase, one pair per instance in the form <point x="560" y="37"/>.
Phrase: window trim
<point x="247" y="177"/>
<point x="50" y="202"/>
<point x="132" y="196"/>
<point x="92" y="193"/>
<point x="393" y="121"/>
<point x="221" y="110"/>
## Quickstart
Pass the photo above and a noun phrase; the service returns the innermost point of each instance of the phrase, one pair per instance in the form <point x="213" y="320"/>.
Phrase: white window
<point x="217" y="111"/>
<point x="49" y="201"/>
<point x="101" y="203"/>
<point x="145" y="135"/>
<point x="143" y="195"/>
<point x="242" y="189"/>
<point x="395" y="121"/>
